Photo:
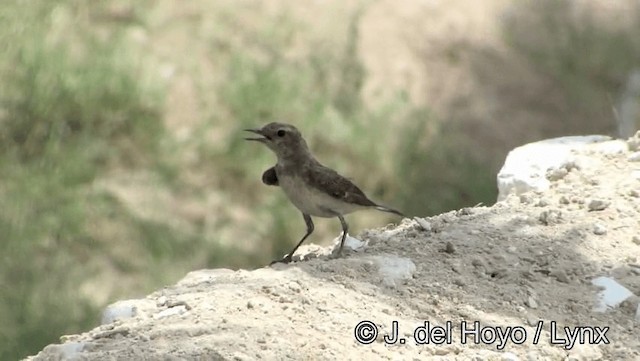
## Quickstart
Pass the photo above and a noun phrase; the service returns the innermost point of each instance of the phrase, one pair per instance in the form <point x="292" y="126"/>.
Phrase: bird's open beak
<point x="261" y="139"/>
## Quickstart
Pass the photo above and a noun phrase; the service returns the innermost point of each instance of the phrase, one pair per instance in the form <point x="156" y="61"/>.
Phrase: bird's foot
<point x="286" y="259"/>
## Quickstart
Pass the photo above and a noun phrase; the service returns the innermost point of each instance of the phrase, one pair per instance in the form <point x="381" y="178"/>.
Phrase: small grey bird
<point x="313" y="188"/>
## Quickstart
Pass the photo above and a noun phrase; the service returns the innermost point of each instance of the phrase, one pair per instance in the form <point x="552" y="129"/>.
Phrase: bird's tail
<point x="390" y="210"/>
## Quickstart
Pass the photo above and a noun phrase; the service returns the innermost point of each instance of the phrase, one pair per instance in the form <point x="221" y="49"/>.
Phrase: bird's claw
<point x="286" y="259"/>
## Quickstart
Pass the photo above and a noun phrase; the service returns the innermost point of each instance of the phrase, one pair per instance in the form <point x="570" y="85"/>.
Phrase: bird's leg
<point x="309" y="222"/>
<point x="345" y="228"/>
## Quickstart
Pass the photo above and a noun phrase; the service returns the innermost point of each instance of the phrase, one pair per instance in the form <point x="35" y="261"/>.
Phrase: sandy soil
<point x="523" y="267"/>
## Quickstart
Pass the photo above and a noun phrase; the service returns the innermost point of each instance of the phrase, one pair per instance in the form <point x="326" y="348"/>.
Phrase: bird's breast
<point x="306" y="199"/>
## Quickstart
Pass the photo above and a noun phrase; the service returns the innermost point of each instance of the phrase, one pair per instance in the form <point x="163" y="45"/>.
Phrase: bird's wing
<point x="329" y="181"/>
<point x="269" y="177"/>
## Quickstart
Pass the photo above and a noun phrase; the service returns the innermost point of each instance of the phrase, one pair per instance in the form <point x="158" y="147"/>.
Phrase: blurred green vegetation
<point x="83" y="104"/>
<point x="69" y="111"/>
<point x="590" y="58"/>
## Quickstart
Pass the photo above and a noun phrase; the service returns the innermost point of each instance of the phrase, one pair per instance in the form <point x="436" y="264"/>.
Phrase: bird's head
<point x="283" y="139"/>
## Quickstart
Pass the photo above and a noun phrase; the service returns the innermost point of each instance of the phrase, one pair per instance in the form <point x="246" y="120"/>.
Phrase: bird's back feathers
<point x="331" y="182"/>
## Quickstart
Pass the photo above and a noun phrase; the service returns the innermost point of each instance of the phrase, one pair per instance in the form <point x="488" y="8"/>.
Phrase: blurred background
<point x="122" y="163"/>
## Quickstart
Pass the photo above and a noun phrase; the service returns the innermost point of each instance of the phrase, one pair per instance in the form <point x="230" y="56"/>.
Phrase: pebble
<point x="477" y="262"/>
<point x="449" y="248"/>
<point x="599" y="229"/>
<point x="120" y="310"/>
<point x="561" y="276"/>
<point x="577" y="200"/>
<point x="426" y="226"/>
<point x="556" y="174"/>
<point x="66" y="351"/>
<point x="533" y="356"/>
<point x="634" y="142"/>
<point x="584" y="352"/>
<point x="441" y="351"/>
<point x="173" y="311"/>
<point x="459" y="282"/>
<point x="634" y="157"/>
<point x="531" y="302"/>
<point x="532" y="321"/>
<point x="525" y="198"/>
<point x="499" y="273"/>
<point x="161" y="301"/>
<point x="549" y="217"/>
<point x="598" y="205"/>
<point x="542" y="203"/>
<point x="636" y="240"/>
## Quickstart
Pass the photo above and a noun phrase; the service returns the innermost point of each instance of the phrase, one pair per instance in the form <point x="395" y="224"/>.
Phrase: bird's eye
<point x="281" y="133"/>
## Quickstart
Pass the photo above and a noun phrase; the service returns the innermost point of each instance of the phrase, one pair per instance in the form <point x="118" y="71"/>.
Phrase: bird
<point x="316" y="190"/>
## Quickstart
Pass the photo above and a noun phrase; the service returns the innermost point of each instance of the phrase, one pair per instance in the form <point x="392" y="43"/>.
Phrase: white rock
<point x="612" y="295"/>
<point x="616" y="146"/>
<point x="205" y="276"/>
<point x="599" y="229"/>
<point x="119" y="310"/>
<point x="634" y="142"/>
<point x="178" y="310"/>
<point x="70" y="349"/>
<point x="393" y="268"/>
<point x="162" y="301"/>
<point x="390" y="233"/>
<point x="533" y="356"/>
<point x="424" y="224"/>
<point x="65" y="351"/>
<point x="525" y="167"/>
<point x="349" y="243"/>
<point x="634" y="157"/>
<point x="581" y="352"/>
